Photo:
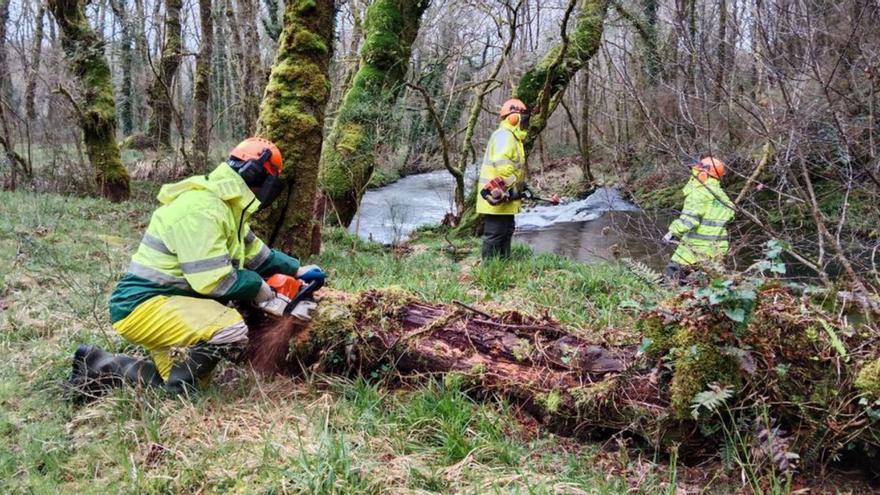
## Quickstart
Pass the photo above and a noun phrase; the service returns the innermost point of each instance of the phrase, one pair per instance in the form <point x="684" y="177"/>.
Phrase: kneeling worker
<point x="701" y="227"/>
<point x="502" y="179"/>
<point x="197" y="254"/>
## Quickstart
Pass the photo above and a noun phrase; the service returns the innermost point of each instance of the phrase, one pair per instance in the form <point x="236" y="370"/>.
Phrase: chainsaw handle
<point x="304" y="293"/>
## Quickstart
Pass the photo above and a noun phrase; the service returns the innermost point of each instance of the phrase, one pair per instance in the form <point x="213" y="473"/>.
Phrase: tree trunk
<point x="126" y="62"/>
<point x="272" y="22"/>
<point x="657" y="391"/>
<point x="161" y="91"/>
<point x="30" y="91"/>
<point x="247" y="70"/>
<point x="584" y="144"/>
<point x="292" y="116"/>
<point x="350" y="60"/>
<point x="220" y="96"/>
<point x="721" y="51"/>
<point x="201" y="133"/>
<point x="254" y="80"/>
<point x="15" y="160"/>
<point x="531" y="360"/>
<point x="96" y="107"/>
<point x="349" y="155"/>
<point x="542" y="86"/>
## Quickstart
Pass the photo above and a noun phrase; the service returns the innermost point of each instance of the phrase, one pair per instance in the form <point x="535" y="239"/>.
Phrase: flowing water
<point x="600" y="226"/>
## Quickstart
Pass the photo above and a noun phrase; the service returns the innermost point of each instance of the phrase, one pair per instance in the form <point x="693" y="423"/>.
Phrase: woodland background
<point x="784" y="91"/>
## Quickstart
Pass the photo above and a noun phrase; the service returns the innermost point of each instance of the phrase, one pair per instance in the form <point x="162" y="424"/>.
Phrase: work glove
<point x="274" y="306"/>
<point x="265" y="293"/>
<point x="310" y="273"/>
<point x="303" y="310"/>
<point x="667" y="239"/>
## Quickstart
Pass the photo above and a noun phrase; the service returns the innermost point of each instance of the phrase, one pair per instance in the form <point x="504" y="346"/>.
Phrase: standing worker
<point x="701" y="227"/>
<point x="197" y="254"/>
<point x="502" y="179"/>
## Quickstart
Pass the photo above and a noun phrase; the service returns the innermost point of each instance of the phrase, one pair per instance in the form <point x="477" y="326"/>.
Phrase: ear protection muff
<point x="513" y="119"/>
<point x="254" y="172"/>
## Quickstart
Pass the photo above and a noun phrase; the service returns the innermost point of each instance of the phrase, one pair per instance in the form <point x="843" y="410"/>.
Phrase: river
<point x="602" y="226"/>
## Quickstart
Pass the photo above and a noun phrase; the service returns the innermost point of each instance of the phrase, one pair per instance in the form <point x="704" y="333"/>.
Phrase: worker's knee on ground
<point x="163" y="324"/>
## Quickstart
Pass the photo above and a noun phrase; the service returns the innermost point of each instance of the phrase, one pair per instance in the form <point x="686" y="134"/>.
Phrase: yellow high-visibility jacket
<point x="199" y="243"/>
<point x="702" y="223"/>
<point x="504" y="157"/>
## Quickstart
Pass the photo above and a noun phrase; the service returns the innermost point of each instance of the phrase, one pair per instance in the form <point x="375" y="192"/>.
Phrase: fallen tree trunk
<point x="563" y="380"/>
<point x="782" y="368"/>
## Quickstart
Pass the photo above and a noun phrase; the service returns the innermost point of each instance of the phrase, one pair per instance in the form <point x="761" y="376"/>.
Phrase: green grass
<point x="586" y="297"/>
<point x="59" y="259"/>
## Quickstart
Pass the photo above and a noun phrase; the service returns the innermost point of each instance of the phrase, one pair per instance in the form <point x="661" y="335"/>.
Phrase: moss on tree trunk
<point x="201" y="135"/>
<point x="96" y="107"/>
<point x="159" y="126"/>
<point x="542" y="86"/>
<point x="349" y="156"/>
<point x="292" y="116"/>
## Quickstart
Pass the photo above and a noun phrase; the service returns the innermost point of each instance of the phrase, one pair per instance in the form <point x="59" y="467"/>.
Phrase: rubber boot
<point x="200" y="361"/>
<point x="96" y="371"/>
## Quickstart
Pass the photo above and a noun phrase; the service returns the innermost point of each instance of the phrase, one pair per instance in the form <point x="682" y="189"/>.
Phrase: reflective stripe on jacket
<point x="199" y="238"/>
<point x="701" y="227"/>
<point x="504" y="157"/>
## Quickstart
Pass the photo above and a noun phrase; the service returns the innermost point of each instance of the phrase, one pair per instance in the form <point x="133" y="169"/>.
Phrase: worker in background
<point x="701" y="227"/>
<point x="502" y="179"/>
<point x="197" y="254"/>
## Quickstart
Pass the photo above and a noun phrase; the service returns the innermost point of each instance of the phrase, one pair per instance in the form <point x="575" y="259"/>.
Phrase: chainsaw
<point x="513" y="194"/>
<point x="293" y="292"/>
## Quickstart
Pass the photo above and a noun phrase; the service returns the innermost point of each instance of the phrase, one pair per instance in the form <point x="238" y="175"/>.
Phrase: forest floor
<point x="315" y="434"/>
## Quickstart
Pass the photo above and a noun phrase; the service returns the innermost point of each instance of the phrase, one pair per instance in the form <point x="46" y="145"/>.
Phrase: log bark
<point x="577" y="387"/>
<point x="569" y="383"/>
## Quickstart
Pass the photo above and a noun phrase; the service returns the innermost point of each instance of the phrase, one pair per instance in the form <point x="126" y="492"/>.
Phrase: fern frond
<point x="643" y="271"/>
<point x="711" y="399"/>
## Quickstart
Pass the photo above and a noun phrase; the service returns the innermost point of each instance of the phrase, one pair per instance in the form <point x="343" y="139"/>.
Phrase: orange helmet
<point x="253" y="148"/>
<point x="512" y="109"/>
<point x="709" y="166"/>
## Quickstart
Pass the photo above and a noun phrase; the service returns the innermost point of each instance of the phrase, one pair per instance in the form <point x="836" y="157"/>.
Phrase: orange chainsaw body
<point x="285" y="285"/>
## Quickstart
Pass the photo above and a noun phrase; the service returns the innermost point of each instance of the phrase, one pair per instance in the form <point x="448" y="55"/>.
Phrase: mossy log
<point x="95" y="106"/>
<point x="542" y="86"/>
<point x="292" y="116"/>
<point x="569" y="383"/>
<point x="783" y="369"/>
<point x="349" y="154"/>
